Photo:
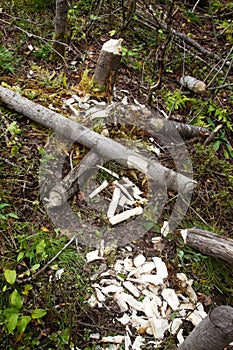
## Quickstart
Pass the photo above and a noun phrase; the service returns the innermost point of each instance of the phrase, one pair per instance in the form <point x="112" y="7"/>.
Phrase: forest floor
<point x="52" y="309"/>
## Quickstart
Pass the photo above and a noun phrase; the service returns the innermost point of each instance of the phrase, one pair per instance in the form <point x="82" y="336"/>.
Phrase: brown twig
<point x="46" y="265"/>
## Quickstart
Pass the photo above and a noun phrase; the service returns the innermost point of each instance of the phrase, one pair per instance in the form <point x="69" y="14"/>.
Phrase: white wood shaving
<point x="98" y="189"/>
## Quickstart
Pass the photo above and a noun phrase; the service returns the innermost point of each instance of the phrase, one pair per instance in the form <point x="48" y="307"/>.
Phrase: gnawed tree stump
<point x="107" y="148"/>
<point x="209" y="243"/>
<point x="107" y="66"/>
<point x="215" y="332"/>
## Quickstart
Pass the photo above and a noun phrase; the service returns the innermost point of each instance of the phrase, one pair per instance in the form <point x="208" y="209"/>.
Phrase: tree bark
<point x="106" y="147"/>
<point x="209" y="243"/>
<point x="215" y="332"/>
<point x="60" y="30"/>
<point x="107" y="65"/>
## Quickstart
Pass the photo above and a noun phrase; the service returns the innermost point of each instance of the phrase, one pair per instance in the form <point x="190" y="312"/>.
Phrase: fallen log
<point x="215" y="332"/>
<point x="209" y="243"/>
<point x="145" y="118"/>
<point x="107" y="148"/>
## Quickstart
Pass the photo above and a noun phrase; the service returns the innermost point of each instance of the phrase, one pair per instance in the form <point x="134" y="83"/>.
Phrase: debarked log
<point x="209" y="243"/>
<point x="107" y="148"/>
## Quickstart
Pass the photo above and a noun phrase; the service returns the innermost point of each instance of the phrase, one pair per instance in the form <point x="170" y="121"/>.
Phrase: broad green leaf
<point x="11" y="315"/>
<point x="35" y="267"/>
<point x="40" y="247"/>
<point x="38" y="313"/>
<point x="13" y="215"/>
<point x="16" y="300"/>
<point x="8" y="312"/>
<point x="20" y="256"/>
<point x="112" y="32"/>
<point x="23" y="324"/>
<point x="3" y="205"/>
<point x="216" y="145"/>
<point x="27" y="287"/>
<point x="12" y="323"/>
<point x="10" y="276"/>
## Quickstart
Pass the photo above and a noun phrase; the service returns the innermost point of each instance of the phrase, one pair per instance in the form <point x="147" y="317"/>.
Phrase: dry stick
<point x="48" y="263"/>
<point x="107" y="148"/>
<point x="222" y="65"/>
<point x="215" y="332"/>
<point x="212" y="135"/>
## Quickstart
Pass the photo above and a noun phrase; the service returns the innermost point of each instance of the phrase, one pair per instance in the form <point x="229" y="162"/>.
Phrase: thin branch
<point x="38" y="37"/>
<point x="48" y="263"/>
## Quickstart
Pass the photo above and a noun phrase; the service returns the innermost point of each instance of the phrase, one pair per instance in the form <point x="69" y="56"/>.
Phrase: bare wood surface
<point x="106" y="147"/>
<point x="215" y="332"/>
<point x="209" y="243"/>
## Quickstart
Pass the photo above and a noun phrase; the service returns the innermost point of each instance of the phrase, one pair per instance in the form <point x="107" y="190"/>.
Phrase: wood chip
<point x="116" y="219"/>
<point x="139" y="260"/>
<point x="114" y="202"/>
<point x="98" y="189"/>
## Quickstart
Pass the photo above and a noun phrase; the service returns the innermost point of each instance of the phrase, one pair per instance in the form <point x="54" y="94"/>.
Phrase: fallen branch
<point x="215" y="332"/>
<point x="107" y="148"/>
<point x="209" y="243"/>
<point x="151" y="121"/>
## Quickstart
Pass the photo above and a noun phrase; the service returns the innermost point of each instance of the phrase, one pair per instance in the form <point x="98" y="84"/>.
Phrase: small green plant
<point x="14" y="143"/>
<point x="206" y="114"/>
<point x="14" y="318"/>
<point x="177" y="101"/>
<point x="43" y="52"/>
<point x="226" y="28"/>
<point x="7" y="60"/>
<point x="5" y="216"/>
